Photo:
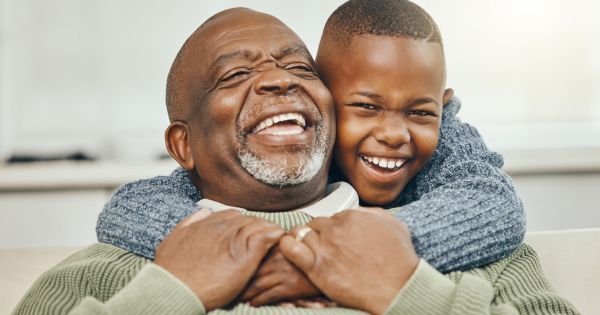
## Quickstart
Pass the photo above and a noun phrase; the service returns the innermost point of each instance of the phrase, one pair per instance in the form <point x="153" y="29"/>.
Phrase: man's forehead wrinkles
<point x="223" y="59"/>
<point x="267" y="30"/>
<point x="252" y="55"/>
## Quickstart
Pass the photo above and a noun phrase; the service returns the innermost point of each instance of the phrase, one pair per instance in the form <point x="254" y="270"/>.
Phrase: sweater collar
<point x="340" y="196"/>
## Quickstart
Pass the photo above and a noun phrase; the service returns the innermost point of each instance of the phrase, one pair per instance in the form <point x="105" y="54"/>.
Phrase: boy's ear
<point x="177" y="141"/>
<point x="448" y="93"/>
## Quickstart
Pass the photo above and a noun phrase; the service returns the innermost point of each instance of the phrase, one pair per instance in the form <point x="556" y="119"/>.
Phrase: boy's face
<point x="388" y="94"/>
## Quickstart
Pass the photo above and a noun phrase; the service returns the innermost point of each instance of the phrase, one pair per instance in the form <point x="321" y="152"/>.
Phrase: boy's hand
<point x="278" y="280"/>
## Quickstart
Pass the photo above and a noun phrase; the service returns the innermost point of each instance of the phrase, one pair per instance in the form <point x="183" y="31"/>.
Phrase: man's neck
<point x="340" y="196"/>
<point x="261" y="197"/>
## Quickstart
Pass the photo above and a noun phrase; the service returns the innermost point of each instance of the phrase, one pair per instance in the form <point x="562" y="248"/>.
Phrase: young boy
<point x="384" y="64"/>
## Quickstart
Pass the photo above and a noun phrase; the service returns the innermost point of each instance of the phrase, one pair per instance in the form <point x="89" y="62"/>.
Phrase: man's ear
<point x="177" y="141"/>
<point x="448" y="93"/>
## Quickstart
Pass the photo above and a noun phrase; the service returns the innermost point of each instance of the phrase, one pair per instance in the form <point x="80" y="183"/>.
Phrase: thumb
<point x="263" y="240"/>
<point x="298" y="253"/>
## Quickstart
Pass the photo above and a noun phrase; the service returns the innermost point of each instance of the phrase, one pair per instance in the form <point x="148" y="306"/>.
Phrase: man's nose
<point x="276" y="81"/>
<point x="392" y="131"/>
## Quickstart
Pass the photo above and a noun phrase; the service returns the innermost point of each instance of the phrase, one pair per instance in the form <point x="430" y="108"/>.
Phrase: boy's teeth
<point x="384" y="163"/>
<point x="293" y="117"/>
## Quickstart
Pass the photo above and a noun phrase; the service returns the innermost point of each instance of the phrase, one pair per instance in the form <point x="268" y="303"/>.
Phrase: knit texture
<point x="104" y="279"/>
<point x="462" y="209"/>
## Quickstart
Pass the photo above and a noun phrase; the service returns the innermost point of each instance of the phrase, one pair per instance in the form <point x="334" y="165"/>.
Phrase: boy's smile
<point x="388" y="93"/>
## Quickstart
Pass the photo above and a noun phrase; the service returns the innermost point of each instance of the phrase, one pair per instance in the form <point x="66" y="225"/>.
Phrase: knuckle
<point x="229" y="212"/>
<point x="294" y="280"/>
<point x="319" y="222"/>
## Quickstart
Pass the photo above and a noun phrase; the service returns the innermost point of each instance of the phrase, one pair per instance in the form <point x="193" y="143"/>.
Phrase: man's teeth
<point x="384" y="162"/>
<point x="293" y="117"/>
<point x="286" y="132"/>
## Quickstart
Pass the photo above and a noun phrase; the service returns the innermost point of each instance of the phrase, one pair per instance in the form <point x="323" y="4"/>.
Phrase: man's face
<point x="260" y="111"/>
<point x="388" y="95"/>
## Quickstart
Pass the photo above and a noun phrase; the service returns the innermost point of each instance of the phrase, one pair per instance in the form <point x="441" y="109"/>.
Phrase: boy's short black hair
<point x="398" y="18"/>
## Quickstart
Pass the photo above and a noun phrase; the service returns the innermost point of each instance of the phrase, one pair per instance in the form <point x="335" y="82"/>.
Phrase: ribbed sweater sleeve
<point x="515" y="285"/>
<point x="152" y="291"/>
<point x="140" y="214"/>
<point x="462" y="209"/>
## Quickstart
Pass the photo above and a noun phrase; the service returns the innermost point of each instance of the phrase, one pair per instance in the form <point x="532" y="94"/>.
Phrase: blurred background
<point x="82" y="109"/>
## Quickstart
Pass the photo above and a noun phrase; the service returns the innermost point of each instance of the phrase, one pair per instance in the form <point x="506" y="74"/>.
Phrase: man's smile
<point x="282" y="125"/>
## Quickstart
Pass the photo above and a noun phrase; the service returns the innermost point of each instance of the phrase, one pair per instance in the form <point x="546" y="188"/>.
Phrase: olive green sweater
<point x="105" y="279"/>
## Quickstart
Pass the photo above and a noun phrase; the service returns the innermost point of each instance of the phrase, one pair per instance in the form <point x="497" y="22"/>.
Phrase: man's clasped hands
<point x="358" y="258"/>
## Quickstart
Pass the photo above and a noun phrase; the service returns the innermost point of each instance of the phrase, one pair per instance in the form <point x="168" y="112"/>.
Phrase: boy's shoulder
<point x="451" y="109"/>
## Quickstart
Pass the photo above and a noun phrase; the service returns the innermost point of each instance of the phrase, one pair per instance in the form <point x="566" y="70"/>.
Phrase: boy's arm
<point x="462" y="209"/>
<point x="141" y="213"/>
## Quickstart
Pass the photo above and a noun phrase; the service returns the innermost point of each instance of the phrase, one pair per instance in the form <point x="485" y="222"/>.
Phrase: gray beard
<point x="281" y="173"/>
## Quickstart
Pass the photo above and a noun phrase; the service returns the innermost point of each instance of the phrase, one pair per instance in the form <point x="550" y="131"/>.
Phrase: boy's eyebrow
<point x="369" y="95"/>
<point x="423" y="100"/>
<point x="413" y="102"/>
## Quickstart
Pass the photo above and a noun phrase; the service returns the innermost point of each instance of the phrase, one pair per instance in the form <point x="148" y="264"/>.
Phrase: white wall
<point x="91" y="74"/>
<point x="5" y="126"/>
<point x="560" y="201"/>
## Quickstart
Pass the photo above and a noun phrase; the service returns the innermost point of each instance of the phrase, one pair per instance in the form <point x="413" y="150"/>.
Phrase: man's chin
<point x="282" y="170"/>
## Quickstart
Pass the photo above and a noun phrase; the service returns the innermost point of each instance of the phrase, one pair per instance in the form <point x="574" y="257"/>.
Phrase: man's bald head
<point x="247" y="109"/>
<point x="178" y="95"/>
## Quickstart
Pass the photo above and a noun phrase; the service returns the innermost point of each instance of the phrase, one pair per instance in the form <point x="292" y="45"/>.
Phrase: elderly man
<point x="361" y="259"/>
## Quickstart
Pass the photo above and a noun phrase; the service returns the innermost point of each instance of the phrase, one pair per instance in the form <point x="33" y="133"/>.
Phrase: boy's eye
<point x="421" y="113"/>
<point x="365" y="106"/>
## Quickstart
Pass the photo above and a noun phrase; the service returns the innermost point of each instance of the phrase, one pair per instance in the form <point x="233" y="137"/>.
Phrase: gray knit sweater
<point x="462" y="209"/>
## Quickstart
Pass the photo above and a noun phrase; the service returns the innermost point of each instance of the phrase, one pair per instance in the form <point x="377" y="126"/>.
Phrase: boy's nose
<point x="276" y="81"/>
<point x="392" y="132"/>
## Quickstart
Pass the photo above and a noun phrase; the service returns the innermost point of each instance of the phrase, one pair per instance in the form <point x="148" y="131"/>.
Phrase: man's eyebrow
<point x="223" y="59"/>
<point x="293" y="50"/>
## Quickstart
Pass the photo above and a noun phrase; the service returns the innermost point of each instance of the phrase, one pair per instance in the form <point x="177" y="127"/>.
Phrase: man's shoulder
<point x="100" y="261"/>
<point x="99" y="270"/>
<point x="523" y="262"/>
<point x="101" y="252"/>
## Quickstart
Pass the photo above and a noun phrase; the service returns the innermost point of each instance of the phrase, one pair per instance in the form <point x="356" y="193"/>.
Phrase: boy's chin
<point x="377" y="199"/>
